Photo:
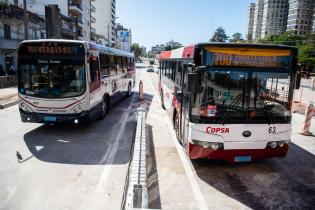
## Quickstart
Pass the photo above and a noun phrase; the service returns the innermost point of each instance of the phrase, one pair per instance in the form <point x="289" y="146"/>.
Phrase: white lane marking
<point x="190" y="171"/>
<point x="110" y="157"/>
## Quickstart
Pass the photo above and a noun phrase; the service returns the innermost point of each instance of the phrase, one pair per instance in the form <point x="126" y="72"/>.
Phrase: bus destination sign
<point x="256" y="58"/>
<point x="51" y="49"/>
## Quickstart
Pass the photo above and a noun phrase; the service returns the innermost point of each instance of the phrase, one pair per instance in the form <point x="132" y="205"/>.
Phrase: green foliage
<point x="237" y="37"/>
<point x="168" y="48"/>
<point x="137" y="50"/>
<point x="307" y="55"/>
<point x="219" y="35"/>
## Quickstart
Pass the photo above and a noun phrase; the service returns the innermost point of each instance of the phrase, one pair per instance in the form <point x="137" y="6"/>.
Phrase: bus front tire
<point x="104" y="108"/>
<point x="176" y="127"/>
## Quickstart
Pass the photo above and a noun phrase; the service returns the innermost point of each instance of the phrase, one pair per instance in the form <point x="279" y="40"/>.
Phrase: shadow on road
<point x="152" y="174"/>
<point x="82" y="144"/>
<point x="279" y="183"/>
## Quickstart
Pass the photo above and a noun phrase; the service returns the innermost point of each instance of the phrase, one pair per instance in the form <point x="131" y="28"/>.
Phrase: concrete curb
<point x="8" y="104"/>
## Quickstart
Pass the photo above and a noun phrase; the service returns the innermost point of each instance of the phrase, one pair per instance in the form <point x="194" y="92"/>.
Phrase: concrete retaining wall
<point x="7" y="81"/>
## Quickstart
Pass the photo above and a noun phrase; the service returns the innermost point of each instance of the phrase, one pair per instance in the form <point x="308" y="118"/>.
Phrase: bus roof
<point x="188" y="51"/>
<point x="90" y="45"/>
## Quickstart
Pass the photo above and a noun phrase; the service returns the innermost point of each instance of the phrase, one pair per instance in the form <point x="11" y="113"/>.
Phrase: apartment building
<point x="258" y="18"/>
<point x="12" y="31"/>
<point x="301" y="16"/>
<point x="81" y="11"/>
<point x="106" y="20"/>
<point x="250" y="16"/>
<point x="275" y="17"/>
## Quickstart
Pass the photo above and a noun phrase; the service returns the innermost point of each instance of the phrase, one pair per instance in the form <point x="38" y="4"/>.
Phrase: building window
<point x="7" y="31"/>
<point x="16" y="2"/>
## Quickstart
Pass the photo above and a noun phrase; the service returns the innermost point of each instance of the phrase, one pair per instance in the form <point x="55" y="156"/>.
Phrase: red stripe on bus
<point x="189" y="51"/>
<point x="51" y="107"/>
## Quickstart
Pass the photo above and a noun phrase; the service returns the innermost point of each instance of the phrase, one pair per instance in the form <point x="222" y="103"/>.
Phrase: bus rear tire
<point x="104" y="108"/>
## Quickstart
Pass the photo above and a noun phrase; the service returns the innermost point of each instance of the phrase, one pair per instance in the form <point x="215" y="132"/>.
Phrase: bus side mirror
<point x="192" y="82"/>
<point x="298" y="80"/>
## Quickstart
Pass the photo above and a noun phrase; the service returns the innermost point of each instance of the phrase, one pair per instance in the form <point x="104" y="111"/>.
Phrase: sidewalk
<point x="8" y="97"/>
<point x="305" y="142"/>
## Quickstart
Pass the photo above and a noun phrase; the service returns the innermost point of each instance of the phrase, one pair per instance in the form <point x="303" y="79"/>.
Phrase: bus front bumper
<point x="52" y="118"/>
<point x="239" y="155"/>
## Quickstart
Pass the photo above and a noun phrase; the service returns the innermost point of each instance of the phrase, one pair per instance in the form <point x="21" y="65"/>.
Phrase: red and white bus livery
<point x="230" y="101"/>
<point x="64" y="80"/>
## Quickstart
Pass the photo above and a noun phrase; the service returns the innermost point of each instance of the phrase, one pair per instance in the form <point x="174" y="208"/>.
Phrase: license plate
<point x="50" y="119"/>
<point x="242" y="158"/>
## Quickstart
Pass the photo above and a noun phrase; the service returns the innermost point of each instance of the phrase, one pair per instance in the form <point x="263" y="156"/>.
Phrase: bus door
<point x="94" y="81"/>
<point x="185" y="107"/>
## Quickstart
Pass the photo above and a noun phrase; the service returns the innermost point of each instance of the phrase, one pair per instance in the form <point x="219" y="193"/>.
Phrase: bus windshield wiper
<point x="231" y="107"/>
<point x="266" y="110"/>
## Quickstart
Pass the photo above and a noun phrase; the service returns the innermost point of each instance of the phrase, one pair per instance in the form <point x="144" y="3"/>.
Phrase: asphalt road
<point x="65" y="166"/>
<point x="279" y="183"/>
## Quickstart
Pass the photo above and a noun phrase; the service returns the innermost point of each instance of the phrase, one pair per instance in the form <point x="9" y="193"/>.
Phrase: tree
<point x="137" y="50"/>
<point x="237" y="37"/>
<point x="307" y="55"/>
<point x="219" y="35"/>
<point x="289" y="38"/>
<point x="168" y="48"/>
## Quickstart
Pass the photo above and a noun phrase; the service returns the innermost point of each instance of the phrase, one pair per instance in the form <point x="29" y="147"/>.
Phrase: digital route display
<point x="247" y="57"/>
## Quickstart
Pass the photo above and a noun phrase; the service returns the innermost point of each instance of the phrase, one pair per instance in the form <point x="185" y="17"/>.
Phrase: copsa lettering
<point x="217" y="130"/>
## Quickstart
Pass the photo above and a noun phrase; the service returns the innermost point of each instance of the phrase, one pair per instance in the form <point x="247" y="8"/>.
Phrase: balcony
<point x="93" y="30"/>
<point x="75" y="8"/>
<point x="93" y="20"/>
<point x="93" y="9"/>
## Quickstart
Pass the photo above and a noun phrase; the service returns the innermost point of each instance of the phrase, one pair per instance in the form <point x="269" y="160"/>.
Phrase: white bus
<point x="230" y="101"/>
<point x="64" y="80"/>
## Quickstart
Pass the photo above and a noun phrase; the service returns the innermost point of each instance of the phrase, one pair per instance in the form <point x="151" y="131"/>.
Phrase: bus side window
<point x="174" y="69"/>
<point x="178" y="75"/>
<point x="94" y="68"/>
<point x="111" y="65"/>
<point x="118" y="63"/>
<point x="104" y="65"/>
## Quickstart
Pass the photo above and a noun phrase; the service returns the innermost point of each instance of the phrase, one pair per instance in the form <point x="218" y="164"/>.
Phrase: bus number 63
<point x="272" y="130"/>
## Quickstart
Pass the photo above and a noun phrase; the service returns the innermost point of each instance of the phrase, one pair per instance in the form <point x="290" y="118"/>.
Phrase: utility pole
<point x="25" y="20"/>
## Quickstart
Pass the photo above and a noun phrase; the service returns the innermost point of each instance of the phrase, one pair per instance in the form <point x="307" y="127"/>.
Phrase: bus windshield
<point x="55" y="71"/>
<point x="241" y="96"/>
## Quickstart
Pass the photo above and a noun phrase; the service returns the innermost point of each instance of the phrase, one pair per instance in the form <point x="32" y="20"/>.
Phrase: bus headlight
<point x="25" y="107"/>
<point x="212" y="145"/>
<point x="77" y="109"/>
<point x="281" y="143"/>
<point x="274" y="144"/>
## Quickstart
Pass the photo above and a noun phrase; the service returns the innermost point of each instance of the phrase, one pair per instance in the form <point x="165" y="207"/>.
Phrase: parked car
<point x="150" y="69"/>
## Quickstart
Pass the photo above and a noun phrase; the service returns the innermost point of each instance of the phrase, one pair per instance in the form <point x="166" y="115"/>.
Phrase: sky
<point x="155" y="22"/>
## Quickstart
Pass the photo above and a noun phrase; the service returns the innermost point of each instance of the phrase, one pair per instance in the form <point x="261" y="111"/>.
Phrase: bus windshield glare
<point x="227" y="96"/>
<point x="243" y="86"/>
<point x="44" y="75"/>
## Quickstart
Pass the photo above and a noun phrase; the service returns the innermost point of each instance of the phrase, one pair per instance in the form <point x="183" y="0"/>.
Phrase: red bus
<point x="230" y="101"/>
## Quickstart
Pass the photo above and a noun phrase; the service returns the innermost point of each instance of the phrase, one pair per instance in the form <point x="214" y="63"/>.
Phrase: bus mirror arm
<point x="200" y="68"/>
